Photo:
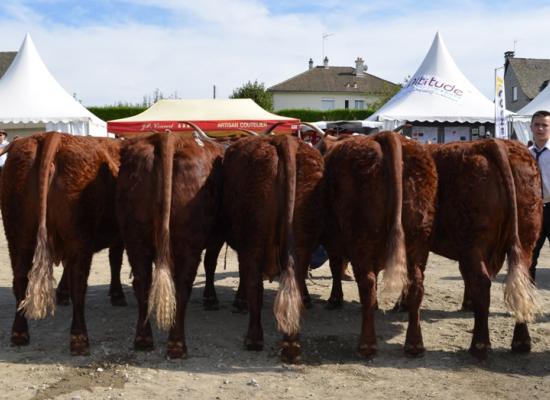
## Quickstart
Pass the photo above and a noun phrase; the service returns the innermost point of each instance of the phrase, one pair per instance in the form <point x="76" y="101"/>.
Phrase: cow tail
<point x="395" y="271"/>
<point x="519" y="291"/>
<point x="162" y="296"/>
<point x="40" y="293"/>
<point x="288" y="302"/>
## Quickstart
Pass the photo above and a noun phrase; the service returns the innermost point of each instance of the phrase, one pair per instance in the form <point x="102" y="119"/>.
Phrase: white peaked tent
<point x="437" y="92"/>
<point x="30" y="96"/>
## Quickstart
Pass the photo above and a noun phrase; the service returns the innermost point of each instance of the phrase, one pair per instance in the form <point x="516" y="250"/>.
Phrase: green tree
<point x="255" y="91"/>
<point x="388" y="92"/>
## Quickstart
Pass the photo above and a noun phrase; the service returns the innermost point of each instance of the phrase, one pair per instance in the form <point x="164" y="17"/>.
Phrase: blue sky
<point x="111" y="51"/>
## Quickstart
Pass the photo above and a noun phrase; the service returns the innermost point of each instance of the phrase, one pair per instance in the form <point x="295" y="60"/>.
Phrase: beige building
<point x="326" y="88"/>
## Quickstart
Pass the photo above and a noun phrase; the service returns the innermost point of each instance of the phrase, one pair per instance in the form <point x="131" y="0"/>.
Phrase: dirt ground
<point x="219" y="368"/>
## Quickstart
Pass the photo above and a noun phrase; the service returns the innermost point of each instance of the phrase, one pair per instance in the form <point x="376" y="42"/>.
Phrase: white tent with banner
<point x="32" y="100"/>
<point x="218" y="117"/>
<point x="438" y="92"/>
<point x="522" y="121"/>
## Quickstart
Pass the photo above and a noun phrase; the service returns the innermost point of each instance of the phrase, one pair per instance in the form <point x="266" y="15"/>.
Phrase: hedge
<point x="329" y="115"/>
<point x="109" y="113"/>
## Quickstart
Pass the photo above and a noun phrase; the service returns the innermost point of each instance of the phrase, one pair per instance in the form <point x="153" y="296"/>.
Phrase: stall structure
<point x="217" y="117"/>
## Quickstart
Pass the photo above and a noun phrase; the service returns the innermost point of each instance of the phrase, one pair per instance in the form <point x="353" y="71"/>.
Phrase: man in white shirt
<point x="540" y="127"/>
<point x="3" y="143"/>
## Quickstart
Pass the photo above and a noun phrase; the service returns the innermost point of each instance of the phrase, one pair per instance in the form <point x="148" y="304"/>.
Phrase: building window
<point x="327" y="104"/>
<point x="514" y="93"/>
<point x="346" y="104"/>
<point x="359" y="104"/>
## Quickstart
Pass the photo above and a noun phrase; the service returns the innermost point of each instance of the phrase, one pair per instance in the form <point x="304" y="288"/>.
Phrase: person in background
<point x="320" y="256"/>
<point x="3" y="143"/>
<point x="540" y="127"/>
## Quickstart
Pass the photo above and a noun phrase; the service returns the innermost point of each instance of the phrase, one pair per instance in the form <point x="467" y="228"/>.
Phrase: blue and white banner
<point x="501" y="125"/>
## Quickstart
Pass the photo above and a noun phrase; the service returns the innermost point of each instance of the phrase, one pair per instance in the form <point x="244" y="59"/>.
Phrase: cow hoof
<point x="291" y="352"/>
<point x="20" y="338"/>
<point x="239" y="307"/>
<point x="521" y="346"/>
<point x="210" y="303"/>
<point x="118" y="300"/>
<point x="368" y="350"/>
<point x="62" y="299"/>
<point x="253" y="345"/>
<point x="176" y="350"/>
<point x="480" y="350"/>
<point x="80" y="345"/>
<point x="415" y="350"/>
<point x="144" y="343"/>
<point x="333" y="304"/>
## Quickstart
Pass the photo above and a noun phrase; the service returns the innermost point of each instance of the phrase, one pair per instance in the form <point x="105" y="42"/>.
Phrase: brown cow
<point x="273" y="210"/>
<point x="380" y="208"/>
<point x="168" y="197"/>
<point x="487" y="191"/>
<point x="58" y="204"/>
<point x="489" y="208"/>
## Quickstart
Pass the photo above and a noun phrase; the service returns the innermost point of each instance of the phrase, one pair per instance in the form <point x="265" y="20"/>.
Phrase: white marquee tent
<point x="437" y="92"/>
<point x="30" y="97"/>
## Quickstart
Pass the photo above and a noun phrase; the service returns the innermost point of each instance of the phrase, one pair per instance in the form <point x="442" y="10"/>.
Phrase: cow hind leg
<point x="21" y="266"/>
<point x="253" y="284"/>
<point x="521" y="341"/>
<point x="78" y="267"/>
<point x="209" y="298"/>
<point x="366" y="282"/>
<point x="477" y="278"/>
<point x="141" y="262"/>
<point x="467" y="304"/>
<point x="240" y="305"/>
<point x="62" y="293"/>
<point x="303" y="255"/>
<point x="186" y="269"/>
<point x="336" y="298"/>
<point x="118" y="299"/>
<point x="414" y="345"/>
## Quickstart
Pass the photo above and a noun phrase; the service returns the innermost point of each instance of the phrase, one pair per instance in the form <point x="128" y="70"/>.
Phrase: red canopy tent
<point x="215" y="116"/>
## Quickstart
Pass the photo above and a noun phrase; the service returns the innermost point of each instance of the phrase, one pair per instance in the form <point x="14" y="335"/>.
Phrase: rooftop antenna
<point x="325" y="36"/>
<point x="515" y="42"/>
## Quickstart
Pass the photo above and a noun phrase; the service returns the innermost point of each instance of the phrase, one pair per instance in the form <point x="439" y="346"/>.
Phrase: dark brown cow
<point x="58" y="205"/>
<point x="273" y="210"/>
<point x="169" y="192"/>
<point x="380" y="208"/>
<point x="489" y="208"/>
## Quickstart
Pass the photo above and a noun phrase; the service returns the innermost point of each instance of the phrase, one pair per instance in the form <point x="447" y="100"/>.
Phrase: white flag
<point x="501" y="125"/>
